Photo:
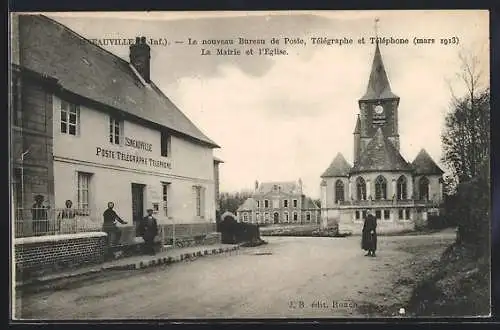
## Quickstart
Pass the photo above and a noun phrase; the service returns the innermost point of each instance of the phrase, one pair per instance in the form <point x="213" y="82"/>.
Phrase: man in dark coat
<point x="148" y="229"/>
<point x="39" y="214"/>
<point x="110" y="225"/>
<point x="369" y="236"/>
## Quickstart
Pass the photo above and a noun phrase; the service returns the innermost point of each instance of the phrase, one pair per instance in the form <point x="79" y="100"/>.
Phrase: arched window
<point x="401" y="188"/>
<point x="423" y="188"/>
<point x="380" y="188"/>
<point x="361" y="188"/>
<point x="339" y="191"/>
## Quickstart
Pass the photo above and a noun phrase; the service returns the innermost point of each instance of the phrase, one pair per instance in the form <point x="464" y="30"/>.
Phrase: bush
<point x="471" y="211"/>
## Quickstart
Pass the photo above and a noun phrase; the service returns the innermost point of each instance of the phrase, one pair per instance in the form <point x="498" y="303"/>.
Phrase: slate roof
<point x="83" y="68"/>
<point x="249" y="205"/>
<point x="289" y="187"/>
<point x="339" y="167"/>
<point x="357" y="128"/>
<point x="378" y="85"/>
<point x="424" y="164"/>
<point x="381" y="155"/>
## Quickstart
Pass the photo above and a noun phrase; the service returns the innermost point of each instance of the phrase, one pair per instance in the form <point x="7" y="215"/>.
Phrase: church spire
<point x="378" y="84"/>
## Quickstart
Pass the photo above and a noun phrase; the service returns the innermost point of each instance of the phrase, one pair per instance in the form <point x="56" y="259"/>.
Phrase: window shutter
<point x="194" y="201"/>
<point x="202" y="201"/>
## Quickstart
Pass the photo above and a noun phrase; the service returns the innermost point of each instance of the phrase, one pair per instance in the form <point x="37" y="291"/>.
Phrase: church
<point x="400" y="194"/>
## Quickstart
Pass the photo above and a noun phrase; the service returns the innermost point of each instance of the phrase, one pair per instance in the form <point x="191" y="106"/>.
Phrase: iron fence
<point x="46" y="221"/>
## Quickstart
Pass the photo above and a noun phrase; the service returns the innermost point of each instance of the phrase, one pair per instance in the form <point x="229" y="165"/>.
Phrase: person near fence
<point x="40" y="219"/>
<point x="148" y="229"/>
<point x="110" y="227"/>
<point x="66" y="218"/>
<point x="369" y="235"/>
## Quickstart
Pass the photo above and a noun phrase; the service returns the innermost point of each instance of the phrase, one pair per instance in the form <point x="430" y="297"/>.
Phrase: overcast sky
<point x="285" y="117"/>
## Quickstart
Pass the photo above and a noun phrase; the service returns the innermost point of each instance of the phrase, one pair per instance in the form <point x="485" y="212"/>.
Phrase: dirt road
<point x="289" y="277"/>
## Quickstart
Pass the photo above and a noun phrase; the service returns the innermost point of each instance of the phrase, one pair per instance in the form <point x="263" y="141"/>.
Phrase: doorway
<point x="276" y="217"/>
<point x="137" y="203"/>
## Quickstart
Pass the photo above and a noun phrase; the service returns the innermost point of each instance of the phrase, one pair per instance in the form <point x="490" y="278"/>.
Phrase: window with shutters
<point x="199" y="201"/>
<point x="165" y="193"/>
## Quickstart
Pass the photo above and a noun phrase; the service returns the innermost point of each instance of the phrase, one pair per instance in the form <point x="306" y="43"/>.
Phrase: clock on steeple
<point x="379" y="105"/>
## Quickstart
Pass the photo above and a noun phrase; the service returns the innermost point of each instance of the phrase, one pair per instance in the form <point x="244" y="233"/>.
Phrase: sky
<point x="282" y="118"/>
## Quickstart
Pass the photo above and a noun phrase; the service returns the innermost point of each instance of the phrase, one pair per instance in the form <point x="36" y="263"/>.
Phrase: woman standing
<point x="369" y="236"/>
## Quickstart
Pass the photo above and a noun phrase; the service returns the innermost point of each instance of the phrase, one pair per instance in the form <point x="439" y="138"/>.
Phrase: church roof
<point x="309" y="204"/>
<point x="378" y="85"/>
<point x="424" y="164"/>
<point x="338" y="167"/>
<point x="357" y="128"/>
<point x="249" y="205"/>
<point x="380" y="155"/>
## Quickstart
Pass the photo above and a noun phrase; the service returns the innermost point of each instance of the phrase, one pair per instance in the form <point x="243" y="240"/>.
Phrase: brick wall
<point x="48" y="252"/>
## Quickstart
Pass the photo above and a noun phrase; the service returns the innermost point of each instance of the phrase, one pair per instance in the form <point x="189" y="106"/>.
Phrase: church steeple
<point x="378" y="84"/>
<point x="379" y="105"/>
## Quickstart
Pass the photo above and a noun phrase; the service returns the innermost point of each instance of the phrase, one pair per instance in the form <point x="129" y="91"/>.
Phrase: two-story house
<point x="279" y="203"/>
<point x="93" y="128"/>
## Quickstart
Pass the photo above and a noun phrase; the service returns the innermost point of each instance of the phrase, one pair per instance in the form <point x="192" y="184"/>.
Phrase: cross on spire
<point x="376" y="27"/>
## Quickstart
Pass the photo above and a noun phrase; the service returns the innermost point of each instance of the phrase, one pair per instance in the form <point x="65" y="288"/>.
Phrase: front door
<point x="276" y="217"/>
<point x="137" y="203"/>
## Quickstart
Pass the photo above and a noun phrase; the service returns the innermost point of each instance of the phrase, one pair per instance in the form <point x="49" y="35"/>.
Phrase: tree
<point x="466" y="135"/>
<point x="231" y="201"/>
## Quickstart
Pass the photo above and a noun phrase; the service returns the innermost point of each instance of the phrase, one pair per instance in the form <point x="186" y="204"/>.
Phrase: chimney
<point x="256" y="184"/>
<point x="140" y="55"/>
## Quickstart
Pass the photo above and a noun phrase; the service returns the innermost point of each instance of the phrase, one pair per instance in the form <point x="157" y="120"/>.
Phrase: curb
<point x="183" y="257"/>
<point x="132" y="266"/>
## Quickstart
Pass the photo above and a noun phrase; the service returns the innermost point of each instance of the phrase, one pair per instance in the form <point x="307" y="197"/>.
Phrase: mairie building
<point x="91" y="127"/>
<point x="279" y="203"/>
<point x="399" y="193"/>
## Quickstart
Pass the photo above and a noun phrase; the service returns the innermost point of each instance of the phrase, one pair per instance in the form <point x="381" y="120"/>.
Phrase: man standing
<point x="110" y="225"/>
<point x="369" y="236"/>
<point x="148" y="229"/>
<point x="39" y="216"/>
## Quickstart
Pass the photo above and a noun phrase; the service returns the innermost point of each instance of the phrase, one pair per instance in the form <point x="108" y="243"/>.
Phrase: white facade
<point x="112" y="169"/>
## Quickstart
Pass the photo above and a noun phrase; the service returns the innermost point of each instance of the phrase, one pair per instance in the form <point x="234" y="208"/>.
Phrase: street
<point x="292" y="277"/>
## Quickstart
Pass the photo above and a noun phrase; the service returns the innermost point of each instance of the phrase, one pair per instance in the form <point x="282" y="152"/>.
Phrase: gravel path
<point x="289" y="277"/>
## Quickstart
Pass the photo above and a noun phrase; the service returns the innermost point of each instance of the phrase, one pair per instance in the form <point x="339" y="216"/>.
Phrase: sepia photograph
<point x="287" y="165"/>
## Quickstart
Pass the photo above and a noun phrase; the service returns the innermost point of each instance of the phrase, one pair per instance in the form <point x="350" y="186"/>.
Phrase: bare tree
<point x="466" y="135"/>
